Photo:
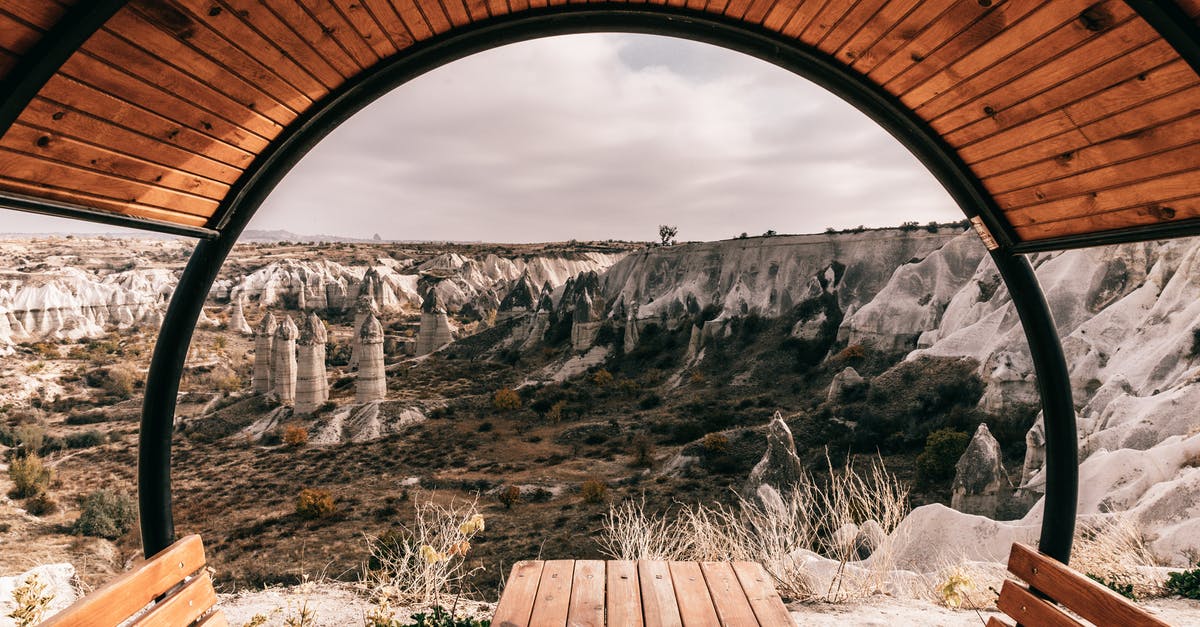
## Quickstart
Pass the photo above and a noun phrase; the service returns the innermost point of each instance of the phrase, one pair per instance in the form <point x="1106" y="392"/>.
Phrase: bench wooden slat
<point x="733" y="608"/>
<point x="659" y="606"/>
<point x="695" y="603"/>
<point x="996" y="622"/>
<point x="1085" y="597"/>
<point x="624" y="598"/>
<point x="183" y="606"/>
<point x="1019" y="603"/>
<point x="553" y="594"/>
<point x="216" y="619"/>
<point x="760" y="592"/>
<point x="516" y="606"/>
<point x="587" y="594"/>
<point x="124" y="596"/>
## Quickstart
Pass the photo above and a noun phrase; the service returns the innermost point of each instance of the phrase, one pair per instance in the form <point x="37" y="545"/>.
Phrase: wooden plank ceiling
<point x="1076" y="115"/>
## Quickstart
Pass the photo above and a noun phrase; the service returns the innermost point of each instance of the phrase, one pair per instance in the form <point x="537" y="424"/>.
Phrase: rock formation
<point x="631" y="334"/>
<point x="264" y="352"/>
<point x="979" y="477"/>
<point x="522" y="299"/>
<point x="283" y="375"/>
<point x="364" y="307"/>
<point x="312" y="386"/>
<point x="540" y="322"/>
<point x="846" y="379"/>
<point x="371" y="384"/>
<point x="237" y="315"/>
<point x="780" y="466"/>
<point x="435" y="331"/>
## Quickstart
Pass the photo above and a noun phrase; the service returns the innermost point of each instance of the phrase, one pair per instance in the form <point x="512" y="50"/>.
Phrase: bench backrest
<point x="1070" y="589"/>
<point x="170" y="589"/>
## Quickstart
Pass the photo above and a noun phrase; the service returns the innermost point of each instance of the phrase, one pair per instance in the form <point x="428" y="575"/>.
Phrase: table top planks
<point x="619" y="593"/>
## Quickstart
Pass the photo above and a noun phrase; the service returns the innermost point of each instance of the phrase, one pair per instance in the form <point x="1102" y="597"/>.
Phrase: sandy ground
<point x="339" y="605"/>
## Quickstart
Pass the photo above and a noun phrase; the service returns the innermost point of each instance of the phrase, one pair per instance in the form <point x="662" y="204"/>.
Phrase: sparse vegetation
<point x="314" y="504"/>
<point x="29" y="475"/>
<point x="30" y="600"/>
<point x="506" y="400"/>
<point x="942" y="450"/>
<point x="1185" y="584"/>
<point x="295" y="435"/>
<point x="510" y="496"/>
<point x="593" y="491"/>
<point x="106" y="514"/>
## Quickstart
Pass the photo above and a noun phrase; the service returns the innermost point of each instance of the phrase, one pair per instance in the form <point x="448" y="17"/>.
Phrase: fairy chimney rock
<point x="312" y="386"/>
<point x="237" y="315"/>
<point x="847" y="379"/>
<point x="979" y="476"/>
<point x="434" y="332"/>
<point x="283" y="377"/>
<point x="264" y="348"/>
<point x="372" y="383"/>
<point x="780" y="466"/>
<point x="364" y="306"/>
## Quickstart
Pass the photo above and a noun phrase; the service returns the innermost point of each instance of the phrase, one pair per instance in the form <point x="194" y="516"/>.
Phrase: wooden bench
<point x="171" y="589"/>
<point x="1059" y="583"/>
<point x="593" y="593"/>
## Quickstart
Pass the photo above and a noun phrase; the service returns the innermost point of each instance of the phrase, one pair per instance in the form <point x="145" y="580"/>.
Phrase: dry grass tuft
<point x="1115" y="551"/>
<point x="421" y="562"/>
<point x="778" y="531"/>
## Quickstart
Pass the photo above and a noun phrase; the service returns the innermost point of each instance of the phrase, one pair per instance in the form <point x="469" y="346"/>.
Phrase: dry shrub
<point x="510" y="496"/>
<point x="1114" y="550"/>
<point x="506" y="400"/>
<point x="313" y="503"/>
<point x="593" y="491"/>
<point x="777" y="531"/>
<point x="295" y="435"/>
<point x="30" y="601"/>
<point x="423" y="561"/>
<point x="29" y="475"/>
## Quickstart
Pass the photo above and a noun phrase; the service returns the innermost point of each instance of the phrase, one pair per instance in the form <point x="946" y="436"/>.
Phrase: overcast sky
<point x="596" y="137"/>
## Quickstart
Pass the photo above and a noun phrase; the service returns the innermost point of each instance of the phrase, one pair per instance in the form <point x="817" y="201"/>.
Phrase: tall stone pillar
<point x="284" y="376"/>
<point x="364" y="306"/>
<point x="264" y="349"/>
<point x="372" y="380"/>
<point x="312" y="387"/>
<point x="435" y="324"/>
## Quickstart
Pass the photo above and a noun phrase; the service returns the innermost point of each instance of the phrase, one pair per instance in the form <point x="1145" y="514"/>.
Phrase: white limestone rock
<point x="312" y="385"/>
<point x="371" y="384"/>
<point x="846" y="379"/>
<point x="979" y="477"/>
<point x="264" y="354"/>
<point x="283" y="375"/>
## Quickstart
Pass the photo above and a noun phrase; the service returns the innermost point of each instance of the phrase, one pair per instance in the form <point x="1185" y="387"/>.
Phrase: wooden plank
<point x="38" y="14"/>
<point x="779" y="14"/>
<point x="1050" y="87"/>
<point x="849" y="24"/>
<point x="68" y="122"/>
<point x="695" y="604"/>
<point x="336" y="28"/>
<point x="414" y="20"/>
<point x="216" y="619"/>
<point x="295" y="17"/>
<point x="367" y="26"/>
<point x="1143" y="215"/>
<point x="456" y="10"/>
<point x="259" y="31"/>
<point x="1156" y="190"/>
<point x="391" y="22"/>
<point x="516" y="604"/>
<point x="137" y="66"/>
<point x="438" y="19"/>
<point x="45" y="144"/>
<point x="169" y="54"/>
<point x="1091" y="600"/>
<point x="659" y="606"/>
<point x="1170" y="135"/>
<point x="996" y="622"/>
<point x="1153" y="167"/>
<point x="183" y="606"/>
<point x="31" y="169"/>
<point x="1084" y="69"/>
<point x="891" y="13"/>
<point x="896" y="34"/>
<point x="733" y="608"/>
<point x="77" y="197"/>
<point x="929" y="42"/>
<point x="760" y="592"/>
<point x="587" y="594"/>
<point x="995" y="35"/>
<point x="804" y="14"/>
<point x="553" y="598"/>
<point x="120" y="598"/>
<point x="623" y="595"/>
<point x="16" y="36"/>
<point x="227" y="50"/>
<point x="1027" y="609"/>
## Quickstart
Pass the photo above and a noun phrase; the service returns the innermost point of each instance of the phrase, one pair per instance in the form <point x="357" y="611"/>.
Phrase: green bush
<point x="29" y="475"/>
<point x="942" y="450"/>
<point x="438" y="617"/>
<point x="87" y="439"/>
<point x="1123" y="589"/>
<point x="106" y="514"/>
<point x="1185" y="584"/>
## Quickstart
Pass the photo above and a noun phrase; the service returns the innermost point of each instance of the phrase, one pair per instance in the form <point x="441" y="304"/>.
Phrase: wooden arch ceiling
<point x="1079" y="117"/>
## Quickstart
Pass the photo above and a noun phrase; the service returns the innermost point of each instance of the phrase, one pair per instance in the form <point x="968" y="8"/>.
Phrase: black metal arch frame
<point x="170" y="353"/>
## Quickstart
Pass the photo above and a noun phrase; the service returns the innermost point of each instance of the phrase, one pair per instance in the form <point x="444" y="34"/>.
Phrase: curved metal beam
<point x="273" y="164"/>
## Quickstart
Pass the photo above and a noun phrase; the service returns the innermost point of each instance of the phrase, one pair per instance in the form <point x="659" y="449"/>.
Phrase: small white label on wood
<point x="984" y="234"/>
